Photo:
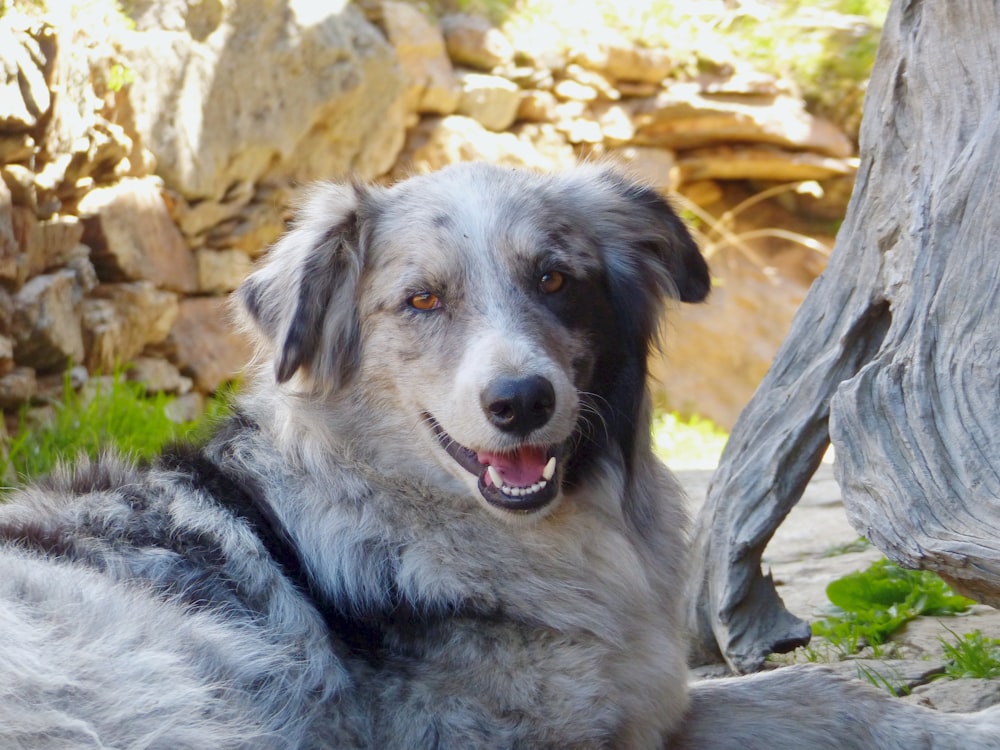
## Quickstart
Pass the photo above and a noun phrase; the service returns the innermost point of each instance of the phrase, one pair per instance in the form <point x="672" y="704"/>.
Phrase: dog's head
<point x="506" y="316"/>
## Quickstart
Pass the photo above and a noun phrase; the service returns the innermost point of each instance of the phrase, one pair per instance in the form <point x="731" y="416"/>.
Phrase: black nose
<point x="519" y="405"/>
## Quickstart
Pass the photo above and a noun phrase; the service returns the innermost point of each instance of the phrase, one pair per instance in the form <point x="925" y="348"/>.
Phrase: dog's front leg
<point x="811" y="708"/>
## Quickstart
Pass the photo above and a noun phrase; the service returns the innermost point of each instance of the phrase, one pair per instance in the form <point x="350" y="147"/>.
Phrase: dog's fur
<point x="337" y="567"/>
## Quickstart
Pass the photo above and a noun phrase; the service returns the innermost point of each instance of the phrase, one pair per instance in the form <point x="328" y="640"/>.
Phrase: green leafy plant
<point x="972" y="655"/>
<point x="116" y="413"/>
<point x="874" y="603"/>
<point x="119" y="77"/>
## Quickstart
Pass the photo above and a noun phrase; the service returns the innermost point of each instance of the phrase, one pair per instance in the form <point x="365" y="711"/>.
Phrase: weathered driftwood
<point x="894" y="354"/>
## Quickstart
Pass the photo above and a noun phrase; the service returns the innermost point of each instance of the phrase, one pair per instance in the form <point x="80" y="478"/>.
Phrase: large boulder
<point x="760" y="162"/>
<point x="9" y="251"/>
<point x="119" y="320"/>
<point x="420" y="46"/>
<point x="619" y="59"/>
<point x="204" y="344"/>
<point x="687" y="116"/>
<point x="490" y="100"/>
<point x="297" y="90"/>
<point x="438" y="142"/>
<point x="46" y="321"/>
<point x="24" y="92"/>
<point x="132" y="236"/>
<point x="473" y="41"/>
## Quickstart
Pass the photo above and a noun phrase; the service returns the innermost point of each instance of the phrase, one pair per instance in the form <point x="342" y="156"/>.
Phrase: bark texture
<point x="894" y="355"/>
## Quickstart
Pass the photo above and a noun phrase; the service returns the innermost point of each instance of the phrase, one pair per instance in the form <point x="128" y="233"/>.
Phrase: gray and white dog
<point x="433" y="521"/>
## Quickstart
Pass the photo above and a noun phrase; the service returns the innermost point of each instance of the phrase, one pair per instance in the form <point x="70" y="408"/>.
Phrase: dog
<point x="433" y="519"/>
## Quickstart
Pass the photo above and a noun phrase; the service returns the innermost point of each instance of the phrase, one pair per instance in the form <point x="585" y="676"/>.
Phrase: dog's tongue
<point x="519" y="469"/>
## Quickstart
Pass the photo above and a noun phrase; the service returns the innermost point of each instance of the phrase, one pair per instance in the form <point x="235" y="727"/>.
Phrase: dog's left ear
<point x="648" y="253"/>
<point x="301" y="303"/>
<point x="648" y="224"/>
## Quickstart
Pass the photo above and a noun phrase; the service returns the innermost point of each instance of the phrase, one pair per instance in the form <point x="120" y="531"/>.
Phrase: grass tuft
<point x="972" y="655"/>
<point x="114" y="413"/>
<point x="892" y="682"/>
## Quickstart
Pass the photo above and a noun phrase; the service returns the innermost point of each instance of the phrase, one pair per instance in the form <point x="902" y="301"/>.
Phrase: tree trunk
<point x="894" y="354"/>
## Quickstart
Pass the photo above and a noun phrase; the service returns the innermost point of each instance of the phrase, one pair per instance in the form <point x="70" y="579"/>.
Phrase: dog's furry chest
<point x="486" y="631"/>
<point x="504" y="682"/>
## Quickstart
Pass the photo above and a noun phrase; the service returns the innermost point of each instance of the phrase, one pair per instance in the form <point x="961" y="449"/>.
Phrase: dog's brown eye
<point x="425" y="301"/>
<point x="551" y="282"/>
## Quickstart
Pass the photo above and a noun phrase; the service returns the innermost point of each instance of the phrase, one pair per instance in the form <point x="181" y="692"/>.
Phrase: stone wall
<point x="145" y="168"/>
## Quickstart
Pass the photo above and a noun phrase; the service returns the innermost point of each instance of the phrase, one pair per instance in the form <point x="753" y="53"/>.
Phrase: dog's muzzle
<point x="524" y="480"/>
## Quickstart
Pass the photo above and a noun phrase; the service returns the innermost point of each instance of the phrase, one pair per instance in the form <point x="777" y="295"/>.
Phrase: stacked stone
<point x="84" y="233"/>
<point x="605" y="97"/>
<point x="144" y="171"/>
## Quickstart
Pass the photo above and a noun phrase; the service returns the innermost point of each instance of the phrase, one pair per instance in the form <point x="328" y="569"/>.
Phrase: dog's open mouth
<point x="524" y="480"/>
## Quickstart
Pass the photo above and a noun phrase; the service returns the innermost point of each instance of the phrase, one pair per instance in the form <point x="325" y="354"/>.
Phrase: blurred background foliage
<point x="826" y="47"/>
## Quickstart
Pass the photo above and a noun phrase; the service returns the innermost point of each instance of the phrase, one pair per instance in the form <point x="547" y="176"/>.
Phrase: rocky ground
<point x="816" y="545"/>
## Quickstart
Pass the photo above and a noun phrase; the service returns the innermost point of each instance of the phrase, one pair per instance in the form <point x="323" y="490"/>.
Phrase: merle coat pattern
<point x="434" y="519"/>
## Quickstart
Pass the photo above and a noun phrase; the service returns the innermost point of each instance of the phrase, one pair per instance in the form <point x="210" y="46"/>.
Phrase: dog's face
<point x="507" y="315"/>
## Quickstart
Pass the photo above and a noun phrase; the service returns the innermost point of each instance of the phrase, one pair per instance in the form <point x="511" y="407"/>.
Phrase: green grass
<point x="116" y="414"/>
<point x="891" y="680"/>
<point x="874" y="603"/>
<point x="972" y="655"/>
<point x="687" y="443"/>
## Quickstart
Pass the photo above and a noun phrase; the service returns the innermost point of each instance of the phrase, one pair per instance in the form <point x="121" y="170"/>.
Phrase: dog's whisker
<point x="588" y="406"/>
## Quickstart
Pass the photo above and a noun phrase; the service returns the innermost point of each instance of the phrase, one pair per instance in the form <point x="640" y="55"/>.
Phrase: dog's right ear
<point x="301" y="303"/>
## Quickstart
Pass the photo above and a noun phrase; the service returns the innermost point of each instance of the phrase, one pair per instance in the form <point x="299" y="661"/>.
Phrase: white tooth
<point x="550" y="469"/>
<point x="495" y="477"/>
